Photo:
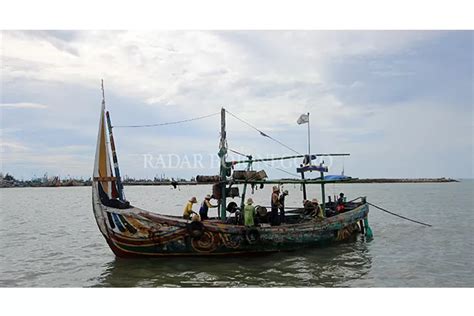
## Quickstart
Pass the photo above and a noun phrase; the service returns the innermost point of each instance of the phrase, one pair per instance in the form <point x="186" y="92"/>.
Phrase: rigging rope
<point x="171" y="123"/>
<point x="263" y="134"/>
<point x="408" y="219"/>
<point x="236" y="152"/>
<point x="282" y="170"/>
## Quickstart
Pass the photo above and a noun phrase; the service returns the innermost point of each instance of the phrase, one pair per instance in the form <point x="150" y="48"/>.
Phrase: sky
<point x="400" y="102"/>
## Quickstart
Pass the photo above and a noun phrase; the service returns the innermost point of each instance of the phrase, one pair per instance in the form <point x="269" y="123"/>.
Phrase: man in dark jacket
<point x="282" y="206"/>
<point x="274" y="220"/>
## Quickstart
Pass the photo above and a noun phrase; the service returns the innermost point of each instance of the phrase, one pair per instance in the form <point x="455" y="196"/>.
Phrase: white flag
<point x="304" y="118"/>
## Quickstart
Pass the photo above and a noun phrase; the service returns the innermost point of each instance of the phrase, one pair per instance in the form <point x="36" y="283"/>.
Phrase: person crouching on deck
<point x="188" y="209"/>
<point x="205" y="206"/>
<point x="318" y="210"/>
<point x="249" y="213"/>
<point x="274" y="220"/>
<point x="313" y="209"/>
<point x="308" y="208"/>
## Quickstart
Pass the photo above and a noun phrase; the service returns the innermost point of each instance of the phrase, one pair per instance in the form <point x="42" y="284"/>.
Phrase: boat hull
<point x="134" y="232"/>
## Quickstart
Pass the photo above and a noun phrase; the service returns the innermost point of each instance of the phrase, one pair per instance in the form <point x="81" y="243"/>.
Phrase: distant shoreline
<point x="367" y="180"/>
<point x="403" y="180"/>
<point x="5" y="184"/>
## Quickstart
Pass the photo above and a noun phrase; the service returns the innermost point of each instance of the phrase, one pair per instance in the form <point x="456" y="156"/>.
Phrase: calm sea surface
<point x="49" y="238"/>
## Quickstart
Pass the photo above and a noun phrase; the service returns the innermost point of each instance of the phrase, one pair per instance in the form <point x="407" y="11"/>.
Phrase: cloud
<point x="354" y="84"/>
<point x="12" y="147"/>
<point x="23" y="105"/>
<point x="187" y="70"/>
<point x="37" y="159"/>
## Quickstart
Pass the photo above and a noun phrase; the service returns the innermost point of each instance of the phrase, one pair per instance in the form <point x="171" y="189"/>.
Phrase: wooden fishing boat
<point x="133" y="232"/>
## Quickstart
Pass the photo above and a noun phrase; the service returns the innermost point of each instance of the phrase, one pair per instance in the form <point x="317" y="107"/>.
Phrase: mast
<point x="223" y="166"/>
<point x="242" y="202"/>
<point x="112" y="146"/>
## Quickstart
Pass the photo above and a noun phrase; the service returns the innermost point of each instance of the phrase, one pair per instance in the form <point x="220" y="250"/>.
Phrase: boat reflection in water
<point x="310" y="267"/>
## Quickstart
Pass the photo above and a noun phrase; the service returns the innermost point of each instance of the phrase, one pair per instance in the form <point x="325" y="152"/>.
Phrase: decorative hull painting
<point x="135" y="232"/>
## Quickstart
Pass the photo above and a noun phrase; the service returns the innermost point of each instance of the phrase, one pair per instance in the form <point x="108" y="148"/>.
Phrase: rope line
<point x="170" y="123"/>
<point x="236" y="152"/>
<point x="408" y="219"/>
<point x="282" y="170"/>
<point x="262" y="133"/>
<point x="269" y="165"/>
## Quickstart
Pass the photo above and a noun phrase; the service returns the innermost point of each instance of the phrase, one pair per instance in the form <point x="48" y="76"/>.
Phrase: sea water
<point x="49" y="238"/>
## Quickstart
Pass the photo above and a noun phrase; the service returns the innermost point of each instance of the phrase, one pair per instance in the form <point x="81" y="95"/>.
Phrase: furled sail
<point x="102" y="168"/>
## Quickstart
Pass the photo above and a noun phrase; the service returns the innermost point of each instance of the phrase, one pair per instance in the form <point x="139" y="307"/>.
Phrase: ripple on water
<point x="52" y="240"/>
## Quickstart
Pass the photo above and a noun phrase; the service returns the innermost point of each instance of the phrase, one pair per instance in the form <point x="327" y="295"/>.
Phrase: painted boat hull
<point x="135" y="232"/>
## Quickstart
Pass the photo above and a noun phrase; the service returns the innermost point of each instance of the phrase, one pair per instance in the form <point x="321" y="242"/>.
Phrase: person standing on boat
<point x="249" y="213"/>
<point x="282" y="206"/>
<point x="274" y="220"/>
<point x="205" y="206"/>
<point x="340" y="203"/>
<point x="188" y="209"/>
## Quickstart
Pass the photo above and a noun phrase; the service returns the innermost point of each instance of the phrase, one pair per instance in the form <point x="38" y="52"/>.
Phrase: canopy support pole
<point x="323" y="192"/>
<point x="304" y="187"/>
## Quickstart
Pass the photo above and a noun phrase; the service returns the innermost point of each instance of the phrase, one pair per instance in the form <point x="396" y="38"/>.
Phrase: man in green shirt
<point x="249" y="212"/>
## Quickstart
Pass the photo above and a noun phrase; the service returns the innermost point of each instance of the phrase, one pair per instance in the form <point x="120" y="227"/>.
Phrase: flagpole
<point x="309" y="142"/>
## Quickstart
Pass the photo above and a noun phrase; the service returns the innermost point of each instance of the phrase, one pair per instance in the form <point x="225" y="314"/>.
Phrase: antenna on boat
<point x="342" y="172"/>
<point x="103" y="93"/>
<point x="303" y="119"/>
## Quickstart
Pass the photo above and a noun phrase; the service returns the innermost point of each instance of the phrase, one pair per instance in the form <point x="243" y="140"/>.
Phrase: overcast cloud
<point x="400" y="102"/>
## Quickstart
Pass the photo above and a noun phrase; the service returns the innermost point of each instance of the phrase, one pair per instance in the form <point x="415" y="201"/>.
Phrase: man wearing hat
<point x="205" y="206"/>
<point x="274" y="220"/>
<point x="282" y="205"/>
<point x="249" y="213"/>
<point x="188" y="209"/>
